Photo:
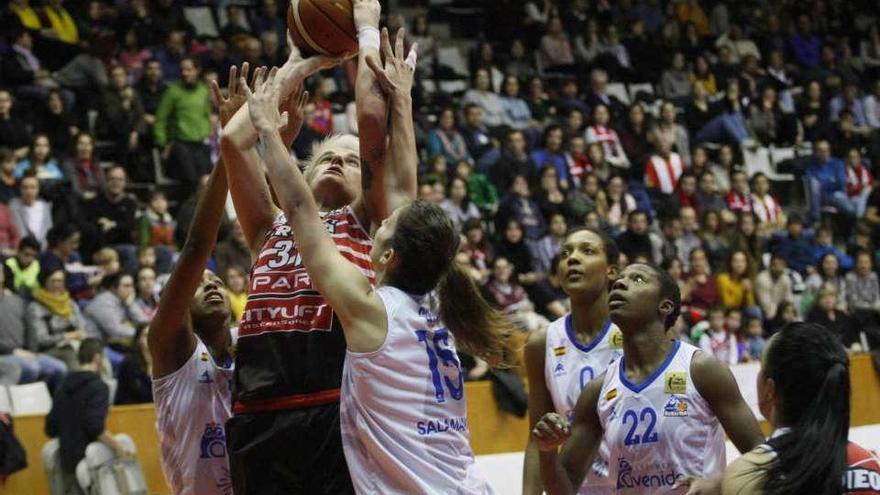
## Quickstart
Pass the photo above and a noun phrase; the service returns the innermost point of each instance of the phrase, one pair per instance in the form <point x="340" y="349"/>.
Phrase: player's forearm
<point x="532" y="470"/>
<point x="287" y="180"/>
<point x="371" y="111"/>
<point x="553" y="475"/>
<point x="401" y="173"/>
<point x="250" y="193"/>
<point x="209" y="212"/>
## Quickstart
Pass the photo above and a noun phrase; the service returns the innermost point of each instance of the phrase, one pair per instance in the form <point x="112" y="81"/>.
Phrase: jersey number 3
<point x="648" y="417"/>
<point x="438" y="351"/>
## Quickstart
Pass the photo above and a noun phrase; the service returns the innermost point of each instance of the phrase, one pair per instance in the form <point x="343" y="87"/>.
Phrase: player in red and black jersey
<point x="285" y="435"/>
<point x="804" y="391"/>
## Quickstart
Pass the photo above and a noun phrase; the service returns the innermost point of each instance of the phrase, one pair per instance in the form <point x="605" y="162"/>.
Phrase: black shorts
<point x="296" y="451"/>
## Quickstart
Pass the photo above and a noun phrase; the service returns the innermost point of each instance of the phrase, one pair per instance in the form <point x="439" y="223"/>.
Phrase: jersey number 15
<point x="438" y="351"/>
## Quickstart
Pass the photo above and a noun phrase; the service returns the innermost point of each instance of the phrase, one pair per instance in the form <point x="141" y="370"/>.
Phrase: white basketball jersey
<point x="403" y="414"/>
<point x="568" y="367"/>
<point x="192" y="406"/>
<point x="659" y="430"/>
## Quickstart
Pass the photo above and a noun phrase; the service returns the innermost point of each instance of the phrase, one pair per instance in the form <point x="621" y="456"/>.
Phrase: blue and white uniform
<point x="403" y="413"/>
<point x="192" y="407"/>
<point x="660" y="430"/>
<point x="568" y="367"/>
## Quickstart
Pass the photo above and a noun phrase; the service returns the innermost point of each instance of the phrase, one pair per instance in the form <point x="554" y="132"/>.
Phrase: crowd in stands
<point x="107" y="132"/>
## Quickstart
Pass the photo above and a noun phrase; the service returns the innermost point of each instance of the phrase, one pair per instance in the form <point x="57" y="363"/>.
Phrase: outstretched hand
<point x="397" y="75"/>
<point x="235" y="97"/>
<point x="297" y="69"/>
<point x="263" y="101"/>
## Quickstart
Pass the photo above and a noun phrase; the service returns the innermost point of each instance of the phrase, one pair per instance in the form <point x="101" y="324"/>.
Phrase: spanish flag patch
<point x="559" y="351"/>
<point x="611" y="394"/>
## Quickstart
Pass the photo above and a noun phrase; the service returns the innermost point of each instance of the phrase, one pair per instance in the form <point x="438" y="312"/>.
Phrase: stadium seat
<point x="101" y="472"/>
<point x="32" y="398"/>
<point x="5" y="403"/>
<point x="636" y="88"/>
<point x="777" y="156"/>
<point x="618" y="90"/>
<point x="202" y="19"/>
<point x="451" y="57"/>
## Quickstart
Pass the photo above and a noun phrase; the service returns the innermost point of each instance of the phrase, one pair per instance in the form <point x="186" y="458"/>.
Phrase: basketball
<point x="324" y="27"/>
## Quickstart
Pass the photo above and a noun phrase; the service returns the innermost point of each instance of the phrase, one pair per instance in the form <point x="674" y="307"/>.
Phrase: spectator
<point x="62" y="242"/>
<point x="620" y="203"/>
<point x="478" y="249"/>
<point x="546" y="248"/>
<point x="107" y="262"/>
<point x="727" y="122"/>
<point x="635" y="139"/>
<point x="513" y="161"/>
<point x="804" y="44"/>
<point x="824" y="244"/>
<point x="598" y="93"/>
<point x="636" y="241"/>
<point x="519" y="64"/>
<point x="475" y="133"/>
<point x="9" y="231"/>
<point x="552" y="154"/>
<point x="588" y="46"/>
<point x="827" y="313"/>
<point x="171" y="56"/>
<point x="79" y="411"/>
<point x="767" y="121"/>
<point x="739" y="197"/>
<point x="662" y="172"/>
<point x="666" y="128"/>
<point x="767" y="209"/>
<point x="8" y="182"/>
<point x="458" y="205"/>
<point x="675" y="84"/>
<point x="863" y="292"/>
<point x="872" y="104"/>
<point x="514" y="248"/>
<point x="481" y="94"/>
<point x="859" y="181"/>
<point x="689" y="238"/>
<point x="717" y="341"/>
<point x="827" y="274"/>
<point x="55" y="319"/>
<point x="826" y="178"/>
<point x="556" y="48"/>
<point x="735" y="285"/>
<point x="56" y="122"/>
<point x="156" y="226"/>
<point x="446" y="140"/>
<point x="147" y="297"/>
<point x="22" y="270"/>
<point x="150" y="89"/>
<point x="707" y="194"/>
<point x="714" y="240"/>
<point x="182" y="124"/>
<point x="13" y="130"/>
<point x="644" y="52"/>
<point x="233" y="251"/>
<point x="40" y="162"/>
<point x="795" y="245"/>
<point x="518" y="205"/>
<point x="578" y="159"/>
<point x="703" y="77"/>
<point x="84" y="168"/>
<point x="86" y="73"/>
<point x="135" y="372"/>
<point x="773" y="287"/>
<point x="113" y="213"/>
<point x="518" y="114"/>
<point x="505" y="293"/>
<point x="600" y="132"/>
<point x="113" y="312"/>
<point x="570" y="98"/>
<point x="539" y="101"/>
<point x="549" y="195"/>
<point x="849" y="99"/>
<point x="15" y="342"/>
<point x="237" y="289"/>
<point x="122" y="115"/>
<point x="33" y="216"/>
<point x="23" y="70"/>
<point x="813" y="111"/>
<point x="687" y="190"/>
<point x="754" y="341"/>
<point x="702" y="288"/>
<point x="747" y="238"/>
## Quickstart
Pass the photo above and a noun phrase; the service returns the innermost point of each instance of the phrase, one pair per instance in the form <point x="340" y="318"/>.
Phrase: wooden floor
<point x="492" y="431"/>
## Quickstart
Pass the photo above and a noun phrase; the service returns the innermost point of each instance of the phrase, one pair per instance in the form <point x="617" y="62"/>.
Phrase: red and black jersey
<point x="290" y="346"/>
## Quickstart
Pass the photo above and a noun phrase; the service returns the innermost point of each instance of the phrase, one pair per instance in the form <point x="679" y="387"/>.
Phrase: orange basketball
<point x="324" y="27"/>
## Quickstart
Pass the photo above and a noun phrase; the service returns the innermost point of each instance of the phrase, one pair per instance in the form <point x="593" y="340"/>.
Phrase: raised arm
<point x="399" y="175"/>
<point x="564" y="472"/>
<point x="372" y="114"/>
<point x="170" y="340"/>
<point x="347" y="290"/>
<point x="250" y="192"/>
<point x="716" y="384"/>
<point x="540" y="403"/>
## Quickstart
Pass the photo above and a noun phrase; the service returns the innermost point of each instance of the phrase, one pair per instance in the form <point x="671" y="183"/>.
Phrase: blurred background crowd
<point x="732" y="143"/>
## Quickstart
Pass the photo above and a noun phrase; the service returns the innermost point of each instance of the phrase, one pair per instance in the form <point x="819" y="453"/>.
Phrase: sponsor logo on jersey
<point x="675" y="382"/>
<point x="429" y="316"/>
<point x="655" y="477"/>
<point x="213" y="444"/>
<point x="611" y="394"/>
<point x="434" y="426"/>
<point x="559" y="351"/>
<point x="861" y="479"/>
<point x="205" y="377"/>
<point x="559" y="370"/>
<point x="612" y="414"/>
<point x="615" y="340"/>
<point x="675" y="407"/>
<point x="203" y="356"/>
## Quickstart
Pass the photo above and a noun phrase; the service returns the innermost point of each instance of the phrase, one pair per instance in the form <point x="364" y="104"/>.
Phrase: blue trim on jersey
<point x="569" y="329"/>
<point x="641" y="386"/>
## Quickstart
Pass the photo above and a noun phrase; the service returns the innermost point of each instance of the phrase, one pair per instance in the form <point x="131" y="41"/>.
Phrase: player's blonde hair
<point x="347" y="142"/>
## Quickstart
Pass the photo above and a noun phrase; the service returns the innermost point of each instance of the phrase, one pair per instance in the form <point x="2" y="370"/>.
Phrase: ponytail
<point x="811" y="372"/>
<point x="478" y="329"/>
